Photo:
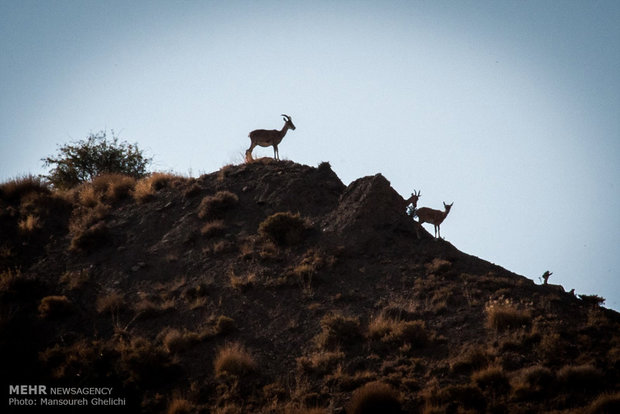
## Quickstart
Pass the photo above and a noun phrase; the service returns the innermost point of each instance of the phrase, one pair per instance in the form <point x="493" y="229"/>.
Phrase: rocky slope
<point x="199" y="295"/>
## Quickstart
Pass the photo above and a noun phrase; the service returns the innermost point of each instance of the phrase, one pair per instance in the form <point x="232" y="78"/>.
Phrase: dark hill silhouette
<point x="199" y="295"/>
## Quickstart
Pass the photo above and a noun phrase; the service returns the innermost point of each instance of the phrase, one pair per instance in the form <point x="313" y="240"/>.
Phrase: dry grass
<point x="150" y="306"/>
<point x="14" y="282"/>
<point x="533" y="382"/>
<point x="387" y="329"/>
<point x="29" y="224"/>
<point x="241" y="282"/>
<point x="502" y="316"/>
<point x="225" y="325"/>
<point x="214" y="207"/>
<point x="181" y="406"/>
<point x="605" y="404"/>
<point x="16" y="188"/>
<point x="580" y="377"/>
<point x="375" y="397"/>
<point x="90" y="238"/>
<point x="492" y="379"/>
<point x="112" y="302"/>
<point x="284" y="229"/>
<point x="146" y="188"/>
<point x="437" y="266"/>
<point x="75" y="279"/>
<point x="338" y="330"/>
<point x="142" y="362"/>
<point x="55" y="307"/>
<point x="321" y="362"/>
<point x="213" y="229"/>
<point x="471" y="359"/>
<point x="112" y="187"/>
<point x="175" y="341"/>
<point x="234" y="359"/>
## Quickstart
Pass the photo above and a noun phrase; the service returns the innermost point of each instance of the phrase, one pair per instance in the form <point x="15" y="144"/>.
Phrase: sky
<point x="509" y="109"/>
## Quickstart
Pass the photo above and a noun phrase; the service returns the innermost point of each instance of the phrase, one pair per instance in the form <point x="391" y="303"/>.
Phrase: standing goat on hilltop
<point x="269" y="138"/>
<point x="412" y="203"/>
<point x="434" y="217"/>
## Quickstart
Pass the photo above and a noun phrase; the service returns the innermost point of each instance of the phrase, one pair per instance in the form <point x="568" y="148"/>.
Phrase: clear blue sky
<point x="509" y="109"/>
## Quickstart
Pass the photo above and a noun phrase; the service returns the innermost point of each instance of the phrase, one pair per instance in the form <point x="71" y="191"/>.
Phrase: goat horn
<point x="286" y="116"/>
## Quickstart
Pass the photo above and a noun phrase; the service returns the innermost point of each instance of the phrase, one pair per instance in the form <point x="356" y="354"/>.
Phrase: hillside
<point x="199" y="295"/>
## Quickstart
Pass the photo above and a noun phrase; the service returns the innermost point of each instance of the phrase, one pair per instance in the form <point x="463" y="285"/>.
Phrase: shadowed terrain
<point x="271" y="287"/>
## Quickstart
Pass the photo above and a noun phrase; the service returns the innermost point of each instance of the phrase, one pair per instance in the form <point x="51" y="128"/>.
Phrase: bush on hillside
<point x="284" y="229"/>
<point x="375" y="397"/>
<point x="84" y="160"/>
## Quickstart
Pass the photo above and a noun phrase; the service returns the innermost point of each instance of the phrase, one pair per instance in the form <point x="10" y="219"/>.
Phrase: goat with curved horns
<point x="269" y="138"/>
<point x="412" y="203"/>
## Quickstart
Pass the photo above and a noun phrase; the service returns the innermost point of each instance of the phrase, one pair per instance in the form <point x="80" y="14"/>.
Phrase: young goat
<point x="269" y="138"/>
<point x="434" y="217"/>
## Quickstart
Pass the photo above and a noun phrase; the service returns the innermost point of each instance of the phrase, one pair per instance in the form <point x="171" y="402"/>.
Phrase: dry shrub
<point x="320" y="363"/>
<point x="502" y="316"/>
<point x="225" y="325"/>
<point x="229" y="409"/>
<point x="146" y="188"/>
<point x="88" y="228"/>
<point x="77" y="360"/>
<point x="193" y="190"/>
<point x="87" y="196"/>
<point x="470" y="360"/>
<point x="214" y="207"/>
<point x="580" y="378"/>
<point x="112" y="302"/>
<point x="605" y="404"/>
<point x="492" y="379"/>
<point x="592" y="300"/>
<point x="463" y="395"/>
<point x="437" y="266"/>
<point x="14" y="283"/>
<point x="181" y="406"/>
<point x="16" y="188"/>
<point x="142" y="362"/>
<point x="151" y="306"/>
<point x="375" y="397"/>
<point x="10" y="280"/>
<point x="175" y="340"/>
<point x="213" y="228"/>
<point x="241" y="282"/>
<point x="388" y="329"/>
<point x="74" y="279"/>
<point x="234" y="359"/>
<point x="29" y="224"/>
<point x="55" y="307"/>
<point x="113" y="187"/>
<point x="534" y="382"/>
<point x="338" y="330"/>
<point x="284" y="229"/>
<point x="90" y="238"/>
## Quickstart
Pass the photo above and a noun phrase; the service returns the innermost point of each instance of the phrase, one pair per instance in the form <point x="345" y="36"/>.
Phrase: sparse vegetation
<point x="375" y="397"/>
<point x="503" y="316"/>
<point x="55" y="307"/>
<point x="284" y="229"/>
<point x="175" y="340"/>
<point x="341" y="317"/>
<point x="225" y="325"/>
<point x="234" y="359"/>
<point x="112" y="302"/>
<point x="214" y="207"/>
<point x="338" y="330"/>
